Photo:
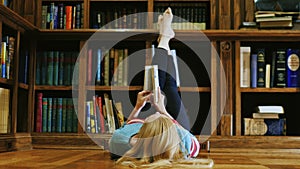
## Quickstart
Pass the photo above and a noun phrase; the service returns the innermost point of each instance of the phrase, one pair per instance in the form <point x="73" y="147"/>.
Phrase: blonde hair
<point x="159" y="146"/>
<point x="157" y="140"/>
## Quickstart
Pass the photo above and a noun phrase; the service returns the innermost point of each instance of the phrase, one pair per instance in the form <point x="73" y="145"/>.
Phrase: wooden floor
<point x="93" y="159"/>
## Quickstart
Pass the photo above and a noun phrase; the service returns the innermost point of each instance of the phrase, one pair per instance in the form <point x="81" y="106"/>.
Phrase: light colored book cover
<point x="245" y="52"/>
<point x="151" y="81"/>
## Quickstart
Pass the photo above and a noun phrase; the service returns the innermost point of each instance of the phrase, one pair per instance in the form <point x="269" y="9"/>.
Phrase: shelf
<point x="118" y="0"/>
<point x="46" y="87"/>
<point x="269" y="90"/>
<point x="6" y="81"/>
<point x="121" y="88"/>
<point x="23" y="86"/>
<point x="137" y="88"/>
<point x="181" y="1"/>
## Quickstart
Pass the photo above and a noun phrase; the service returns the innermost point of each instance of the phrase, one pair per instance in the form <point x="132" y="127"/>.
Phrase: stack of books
<point x="268" y="19"/>
<point x="266" y="120"/>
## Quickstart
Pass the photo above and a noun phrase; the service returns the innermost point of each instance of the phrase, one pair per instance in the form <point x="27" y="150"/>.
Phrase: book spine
<point x="267" y="76"/>
<point x="44" y="17"/>
<point x="68" y="17"/>
<point x="99" y="60"/>
<point x="39" y="112"/>
<point x="253" y="70"/>
<point x="90" y="67"/>
<point x="52" y="11"/>
<point x="293" y="69"/>
<point x="55" y="67"/>
<point x="44" y="68"/>
<point x="54" y="115"/>
<point x="280" y="73"/>
<point x="45" y="115"/>
<point x="273" y="70"/>
<point x="3" y="58"/>
<point x="64" y="115"/>
<point x="78" y="17"/>
<point x="59" y="115"/>
<point x="74" y="117"/>
<point x="261" y="66"/>
<point x="49" y="114"/>
<point x="69" y="115"/>
<point x="38" y="63"/>
<point x="61" y="68"/>
<point x="88" y="118"/>
<point x="61" y="16"/>
<point x="50" y="60"/>
<point x="101" y="115"/>
<point x="67" y="68"/>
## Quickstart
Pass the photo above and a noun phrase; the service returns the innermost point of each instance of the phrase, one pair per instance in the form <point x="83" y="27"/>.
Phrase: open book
<point x="151" y="81"/>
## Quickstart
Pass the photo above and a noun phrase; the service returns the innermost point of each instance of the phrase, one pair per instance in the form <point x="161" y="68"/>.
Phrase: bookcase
<point x="220" y="104"/>
<point x="15" y="83"/>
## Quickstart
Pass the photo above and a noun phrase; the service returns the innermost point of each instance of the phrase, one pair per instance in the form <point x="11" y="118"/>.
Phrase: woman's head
<point x="157" y="139"/>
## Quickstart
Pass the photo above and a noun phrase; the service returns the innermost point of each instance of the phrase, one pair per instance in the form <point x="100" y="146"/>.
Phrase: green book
<point x="55" y="67"/>
<point x="75" y="117"/>
<point x="64" y="115"/>
<point x="61" y="68"/>
<point x="45" y="115"/>
<point x="54" y="112"/>
<point x="49" y="115"/>
<point x="50" y="59"/>
<point x="69" y="115"/>
<point x="59" y="115"/>
<point x="38" y="69"/>
<point x="44" y="67"/>
<point x="67" y="68"/>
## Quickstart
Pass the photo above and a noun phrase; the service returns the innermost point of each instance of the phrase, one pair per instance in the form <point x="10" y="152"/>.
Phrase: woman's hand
<point x="142" y="98"/>
<point x="160" y="104"/>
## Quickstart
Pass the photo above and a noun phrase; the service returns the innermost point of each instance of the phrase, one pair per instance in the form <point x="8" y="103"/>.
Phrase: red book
<point x="69" y="17"/>
<point x="102" y="121"/>
<point x="39" y="111"/>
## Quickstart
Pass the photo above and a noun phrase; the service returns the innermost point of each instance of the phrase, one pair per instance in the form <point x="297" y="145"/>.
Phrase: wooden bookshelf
<point x="223" y="37"/>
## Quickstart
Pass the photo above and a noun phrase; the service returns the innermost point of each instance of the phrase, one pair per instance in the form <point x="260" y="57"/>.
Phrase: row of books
<point x="7" y="56"/>
<point x="110" y="67"/>
<point x="186" y="16"/>
<point x="266" y="120"/>
<point x="5" y="2"/>
<point x="55" y="67"/>
<point x="62" y="16"/>
<point x="55" y="115"/>
<point x="4" y="111"/>
<point x="103" y="115"/>
<point x="282" y="71"/>
<point x="119" y="18"/>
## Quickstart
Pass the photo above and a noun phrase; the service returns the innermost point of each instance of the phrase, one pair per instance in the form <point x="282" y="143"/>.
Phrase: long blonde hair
<point x="159" y="146"/>
<point x="157" y="140"/>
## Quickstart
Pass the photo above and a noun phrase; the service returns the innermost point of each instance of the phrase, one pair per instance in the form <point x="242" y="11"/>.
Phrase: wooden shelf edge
<point x="6" y="81"/>
<point x="47" y="87"/>
<point x="269" y="90"/>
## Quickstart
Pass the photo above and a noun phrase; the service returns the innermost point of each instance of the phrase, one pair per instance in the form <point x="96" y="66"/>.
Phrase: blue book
<point x="253" y="70"/>
<point x="74" y="117"/>
<point x="99" y="60"/>
<point x="64" y="115"/>
<point x="276" y="127"/>
<point x="292" y="68"/>
<point x="88" y="118"/>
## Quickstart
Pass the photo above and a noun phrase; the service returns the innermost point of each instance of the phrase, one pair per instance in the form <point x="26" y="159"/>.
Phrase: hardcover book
<point x="280" y="68"/>
<point x="261" y="66"/>
<point x="151" y="81"/>
<point x="293" y="70"/>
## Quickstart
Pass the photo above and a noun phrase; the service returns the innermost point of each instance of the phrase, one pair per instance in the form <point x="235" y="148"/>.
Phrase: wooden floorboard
<point x="93" y="159"/>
